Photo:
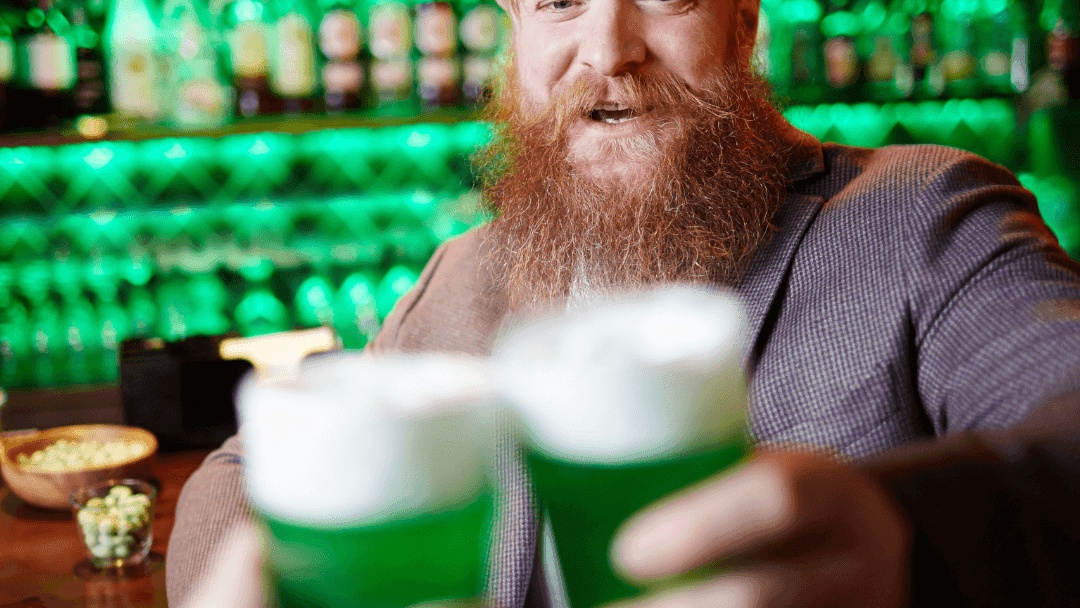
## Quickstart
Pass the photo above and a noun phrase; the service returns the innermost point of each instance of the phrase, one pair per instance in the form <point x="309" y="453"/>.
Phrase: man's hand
<point x="787" y="529"/>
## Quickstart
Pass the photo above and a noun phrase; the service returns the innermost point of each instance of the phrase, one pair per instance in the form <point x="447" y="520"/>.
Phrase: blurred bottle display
<point x="178" y="236"/>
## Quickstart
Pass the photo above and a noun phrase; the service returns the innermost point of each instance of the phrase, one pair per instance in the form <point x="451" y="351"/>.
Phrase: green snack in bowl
<point x="116" y="526"/>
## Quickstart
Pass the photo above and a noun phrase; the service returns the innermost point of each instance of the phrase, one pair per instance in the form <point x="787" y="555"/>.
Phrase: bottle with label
<point x="479" y="32"/>
<point x="247" y="26"/>
<point x="197" y="95"/>
<point x="960" y="22"/>
<point x="804" y="74"/>
<point x="389" y="41"/>
<point x="880" y="44"/>
<point x="1060" y="19"/>
<point x="840" y="28"/>
<point x="293" y="65"/>
<point x="50" y="61"/>
<point x="135" y="74"/>
<point x="1002" y="48"/>
<point x="438" y="68"/>
<point x="341" y="46"/>
<point x="928" y="79"/>
<point x="88" y="23"/>
<point x="7" y="68"/>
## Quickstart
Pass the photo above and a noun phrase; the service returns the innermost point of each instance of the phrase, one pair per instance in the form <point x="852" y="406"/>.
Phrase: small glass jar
<point x="115" y="520"/>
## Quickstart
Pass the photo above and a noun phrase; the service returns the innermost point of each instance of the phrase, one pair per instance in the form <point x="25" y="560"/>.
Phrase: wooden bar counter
<point x="39" y="550"/>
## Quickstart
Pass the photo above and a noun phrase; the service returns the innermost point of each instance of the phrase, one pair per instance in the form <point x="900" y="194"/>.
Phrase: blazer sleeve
<point x="212" y="500"/>
<point x="995" y="305"/>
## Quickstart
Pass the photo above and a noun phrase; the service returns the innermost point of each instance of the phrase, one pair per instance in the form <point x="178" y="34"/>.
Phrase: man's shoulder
<point x="911" y="180"/>
<point x="908" y="167"/>
<point x="455" y="304"/>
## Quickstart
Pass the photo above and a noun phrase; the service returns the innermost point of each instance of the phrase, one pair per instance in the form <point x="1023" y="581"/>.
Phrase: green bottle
<point x="356" y="315"/>
<point x="135" y="76"/>
<point x="395" y="283"/>
<point x="260" y="312"/>
<point x="197" y="96"/>
<point x="804" y="76"/>
<point x="313" y="305"/>
<point x="1002" y="52"/>
<point x="883" y="44"/>
<point x="959" y="22"/>
<point x="7" y="67"/>
<point x="88" y="25"/>
<point x="16" y="346"/>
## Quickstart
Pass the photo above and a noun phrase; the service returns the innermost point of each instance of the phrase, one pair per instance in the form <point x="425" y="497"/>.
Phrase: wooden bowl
<point x="51" y="489"/>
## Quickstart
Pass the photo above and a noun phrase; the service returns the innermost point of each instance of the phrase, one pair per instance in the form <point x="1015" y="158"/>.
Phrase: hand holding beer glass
<point x="621" y="405"/>
<point x="372" y="479"/>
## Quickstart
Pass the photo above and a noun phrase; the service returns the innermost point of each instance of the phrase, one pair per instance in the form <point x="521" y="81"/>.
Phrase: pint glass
<point x="371" y="478"/>
<point x="621" y="405"/>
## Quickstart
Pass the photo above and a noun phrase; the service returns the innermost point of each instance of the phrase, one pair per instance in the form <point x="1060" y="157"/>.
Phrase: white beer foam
<point x="356" y="439"/>
<point x="631" y="379"/>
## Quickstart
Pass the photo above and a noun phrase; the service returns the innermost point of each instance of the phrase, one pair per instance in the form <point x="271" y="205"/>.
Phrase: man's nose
<point x="612" y="41"/>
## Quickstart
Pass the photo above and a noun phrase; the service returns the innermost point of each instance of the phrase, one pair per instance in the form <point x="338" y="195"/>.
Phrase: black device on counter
<point x="182" y="392"/>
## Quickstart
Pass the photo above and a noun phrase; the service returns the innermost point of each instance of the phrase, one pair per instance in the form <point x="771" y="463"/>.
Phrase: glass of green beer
<point x="372" y="479"/>
<point x="621" y="404"/>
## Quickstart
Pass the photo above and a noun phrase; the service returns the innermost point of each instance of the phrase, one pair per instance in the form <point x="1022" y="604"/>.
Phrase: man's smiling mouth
<point x="612" y="113"/>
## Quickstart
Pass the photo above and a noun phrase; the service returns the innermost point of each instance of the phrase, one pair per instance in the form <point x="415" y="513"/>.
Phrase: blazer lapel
<point x="761" y="282"/>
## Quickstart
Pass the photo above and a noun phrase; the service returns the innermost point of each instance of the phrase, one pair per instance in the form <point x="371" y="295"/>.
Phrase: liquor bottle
<point x="883" y="44"/>
<point x="313" y="305"/>
<point x="88" y="23"/>
<point x="50" y="61"/>
<point x="7" y="68"/>
<point x="438" y="69"/>
<point x="247" y="25"/>
<point x="959" y="22"/>
<point x="804" y="74"/>
<point x="355" y="314"/>
<point x="479" y="33"/>
<point x="928" y="80"/>
<point x="135" y="78"/>
<point x="341" y="44"/>
<point x="841" y="27"/>
<point x="293" y="69"/>
<point x="389" y="41"/>
<point x="1061" y="20"/>
<point x="1003" y="52"/>
<point x="198" y="97"/>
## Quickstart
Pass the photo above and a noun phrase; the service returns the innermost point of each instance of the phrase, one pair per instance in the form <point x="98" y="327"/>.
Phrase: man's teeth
<point x="612" y="113"/>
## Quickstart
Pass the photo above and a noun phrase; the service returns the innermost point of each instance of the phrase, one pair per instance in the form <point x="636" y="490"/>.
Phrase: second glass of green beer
<point x="622" y="404"/>
<point x="372" y="479"/>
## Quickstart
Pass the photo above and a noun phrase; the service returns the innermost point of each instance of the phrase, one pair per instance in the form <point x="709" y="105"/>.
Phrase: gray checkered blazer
<point x="910" y="293"/>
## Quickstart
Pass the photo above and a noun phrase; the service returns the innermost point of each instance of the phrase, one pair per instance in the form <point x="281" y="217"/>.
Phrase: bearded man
<point x="908" y="310"/>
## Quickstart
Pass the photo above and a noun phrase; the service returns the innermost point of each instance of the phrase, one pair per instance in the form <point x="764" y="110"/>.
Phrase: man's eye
<point x="561" y="5"/>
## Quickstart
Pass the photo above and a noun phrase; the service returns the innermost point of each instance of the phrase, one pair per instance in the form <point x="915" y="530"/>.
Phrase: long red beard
<point x="712" y="178"/>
